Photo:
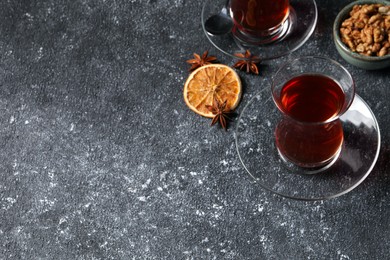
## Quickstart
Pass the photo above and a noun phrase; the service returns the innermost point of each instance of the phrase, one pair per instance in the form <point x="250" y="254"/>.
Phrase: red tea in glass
<point x="307" y="135"/>
<point x="311" y="94"/>
<point x="312" y="98"/>
<point x="258" y="18"/>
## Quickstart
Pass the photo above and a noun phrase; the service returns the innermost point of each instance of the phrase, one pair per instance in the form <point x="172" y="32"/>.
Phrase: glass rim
<point x="331" y="119"/>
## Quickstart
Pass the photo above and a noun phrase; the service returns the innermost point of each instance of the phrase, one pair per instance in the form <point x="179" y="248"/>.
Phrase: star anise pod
<point x="249" y="63"/>
<point x="200" y="61"/>
<point x="220" y="113"/>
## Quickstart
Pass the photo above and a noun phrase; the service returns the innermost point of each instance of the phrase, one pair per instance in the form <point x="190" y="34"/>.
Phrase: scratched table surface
<point x="101" y="159"/>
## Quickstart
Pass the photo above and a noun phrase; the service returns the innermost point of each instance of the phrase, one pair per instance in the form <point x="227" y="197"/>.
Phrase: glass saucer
<point x="303" y="19"/>
<point x="256" y="149"/>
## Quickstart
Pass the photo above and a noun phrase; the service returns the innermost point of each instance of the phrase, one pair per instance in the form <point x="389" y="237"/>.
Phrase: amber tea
<point x="258" y="17"/>
<point x="308" y="135"/>
<point x="312" y="98"/>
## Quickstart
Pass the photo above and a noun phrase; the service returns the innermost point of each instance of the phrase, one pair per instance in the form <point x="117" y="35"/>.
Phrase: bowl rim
<point x="344" y="12"/>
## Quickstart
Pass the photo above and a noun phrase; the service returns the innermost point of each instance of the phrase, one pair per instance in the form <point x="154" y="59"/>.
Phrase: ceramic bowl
<point x="356" y="59"/>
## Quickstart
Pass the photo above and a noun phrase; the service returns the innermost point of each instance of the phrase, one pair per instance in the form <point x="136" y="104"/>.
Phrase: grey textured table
<point x="101" y="159"/>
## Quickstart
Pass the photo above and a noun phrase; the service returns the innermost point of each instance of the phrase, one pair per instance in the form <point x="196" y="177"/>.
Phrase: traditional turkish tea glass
<point x="311" y="93"/>
<point x="259" y="21"/>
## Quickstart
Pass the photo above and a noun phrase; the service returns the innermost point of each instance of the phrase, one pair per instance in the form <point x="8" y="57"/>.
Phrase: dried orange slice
<point x="212" y="81"/>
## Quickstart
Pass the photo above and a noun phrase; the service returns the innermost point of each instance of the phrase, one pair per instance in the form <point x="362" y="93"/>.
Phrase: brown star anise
<point x="220" y="113"/>
<point x="201" y="61"/>
<point x="249" y="63"/>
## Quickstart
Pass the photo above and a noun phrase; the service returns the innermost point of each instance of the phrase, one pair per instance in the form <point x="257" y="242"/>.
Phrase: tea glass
<point x="259" y="21"/>
<point x="311" y="93"/>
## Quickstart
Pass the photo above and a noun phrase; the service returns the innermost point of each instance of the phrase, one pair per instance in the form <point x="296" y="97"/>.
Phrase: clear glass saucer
<point x="303" y="19"/>
<point x="256" y="149"/>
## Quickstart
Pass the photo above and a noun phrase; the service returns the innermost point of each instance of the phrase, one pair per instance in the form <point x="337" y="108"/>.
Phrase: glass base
<point x="320" y="167"/>
<point x="259" y="156"/>
<point x="297" y="29"/>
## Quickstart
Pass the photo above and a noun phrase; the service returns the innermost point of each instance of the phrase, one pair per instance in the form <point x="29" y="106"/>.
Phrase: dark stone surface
<point x="101" y="159"/>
